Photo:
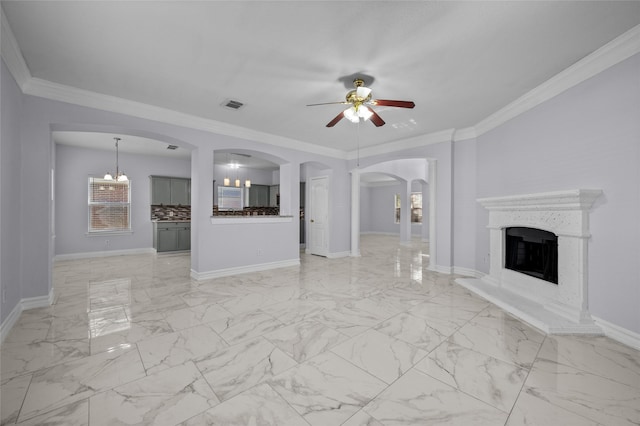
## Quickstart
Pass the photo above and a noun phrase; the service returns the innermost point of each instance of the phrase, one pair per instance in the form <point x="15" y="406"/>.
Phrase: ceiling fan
<point x="361" y="102"/>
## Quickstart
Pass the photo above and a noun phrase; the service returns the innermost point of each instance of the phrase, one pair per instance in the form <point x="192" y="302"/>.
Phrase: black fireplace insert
<point x="533" y="252"/>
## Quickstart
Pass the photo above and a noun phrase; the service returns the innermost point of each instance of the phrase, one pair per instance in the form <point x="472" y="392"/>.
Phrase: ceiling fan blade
<point x="335" y="120"/>
<point x="329" y="103"/>
<point x="375" y="119"/>
<point x="386" y="102"/>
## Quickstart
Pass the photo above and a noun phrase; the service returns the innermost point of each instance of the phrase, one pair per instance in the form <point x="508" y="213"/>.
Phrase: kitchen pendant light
<point x="119" y="176"/>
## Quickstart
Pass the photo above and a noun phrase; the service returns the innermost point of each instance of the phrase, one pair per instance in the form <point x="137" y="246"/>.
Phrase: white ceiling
<point x="458" y="61"/>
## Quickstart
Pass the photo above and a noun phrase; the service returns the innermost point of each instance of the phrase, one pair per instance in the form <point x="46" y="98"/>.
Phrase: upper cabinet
<point x="259" y="196"/>
<point x="170" y="191"/>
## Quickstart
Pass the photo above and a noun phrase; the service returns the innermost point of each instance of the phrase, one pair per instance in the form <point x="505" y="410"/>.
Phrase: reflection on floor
<point x="376" y="340"/>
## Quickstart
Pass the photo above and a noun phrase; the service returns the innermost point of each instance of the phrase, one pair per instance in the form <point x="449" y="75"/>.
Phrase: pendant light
<point x="119" y="176"/>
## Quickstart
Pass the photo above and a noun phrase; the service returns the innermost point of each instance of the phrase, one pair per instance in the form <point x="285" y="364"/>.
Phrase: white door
<point x="319" y="217"/>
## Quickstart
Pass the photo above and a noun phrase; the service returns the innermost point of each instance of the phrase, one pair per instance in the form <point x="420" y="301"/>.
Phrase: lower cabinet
<point x="171" y="236"/>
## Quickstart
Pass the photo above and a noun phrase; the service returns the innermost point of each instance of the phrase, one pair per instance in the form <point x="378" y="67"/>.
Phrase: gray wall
<point x="586" y="137"/>
<point x="464" y="204"/>
<point x="10" y="188"/>
<point x="74" y="166"/>
<point x="377" y="209"/>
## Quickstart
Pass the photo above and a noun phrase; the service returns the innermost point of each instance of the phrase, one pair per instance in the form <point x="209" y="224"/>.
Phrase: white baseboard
<point x="10" y="321"/>
<point x="200" y="276"/>
<point x="459" y="270"/>
<point x="338" y="255"/>
<point x="618" y="333"/>
<point x="441" y="269"/>
<point x="23" y="305"/>
<point x="106" y="253"/>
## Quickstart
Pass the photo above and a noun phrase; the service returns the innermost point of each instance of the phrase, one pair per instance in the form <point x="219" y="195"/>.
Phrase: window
<point x="416" y="207"/>
<point x="109" y="205"/>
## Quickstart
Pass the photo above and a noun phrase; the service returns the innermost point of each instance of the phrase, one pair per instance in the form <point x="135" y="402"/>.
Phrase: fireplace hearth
<point x="530" y="236"/>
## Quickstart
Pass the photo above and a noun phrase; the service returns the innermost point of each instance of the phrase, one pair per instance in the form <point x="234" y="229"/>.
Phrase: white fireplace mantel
<point x="561" y="308"/>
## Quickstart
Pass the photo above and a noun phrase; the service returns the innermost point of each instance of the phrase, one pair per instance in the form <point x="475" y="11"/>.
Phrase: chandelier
<point x="119" y="176"/>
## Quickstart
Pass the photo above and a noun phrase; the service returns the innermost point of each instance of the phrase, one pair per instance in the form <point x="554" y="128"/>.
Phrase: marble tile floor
<point x="375" y="340"/>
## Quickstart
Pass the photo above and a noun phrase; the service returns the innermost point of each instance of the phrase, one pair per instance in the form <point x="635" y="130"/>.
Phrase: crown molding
<point x="59" y="92"/>
<point x="612" y="53"/>
<point x="12" y="54"/>
<point x="464" y="134"/>
<point x="404" y="144"/>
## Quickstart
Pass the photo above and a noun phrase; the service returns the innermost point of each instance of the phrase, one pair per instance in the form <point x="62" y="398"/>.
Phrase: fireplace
<point x="550" y="292"/>
<point x="532" y="251"/>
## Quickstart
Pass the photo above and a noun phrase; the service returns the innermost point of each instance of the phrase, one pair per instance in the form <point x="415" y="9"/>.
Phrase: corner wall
<point x="10" y="184"/>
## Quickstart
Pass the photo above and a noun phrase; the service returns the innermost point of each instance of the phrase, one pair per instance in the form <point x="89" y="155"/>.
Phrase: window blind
<point x="109" y="205"/>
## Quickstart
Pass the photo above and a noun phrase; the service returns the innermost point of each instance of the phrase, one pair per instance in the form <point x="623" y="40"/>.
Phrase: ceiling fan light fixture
<point x="363" y="93"/>
<point x="351" y="114"/>
<point x="365" y="112"/>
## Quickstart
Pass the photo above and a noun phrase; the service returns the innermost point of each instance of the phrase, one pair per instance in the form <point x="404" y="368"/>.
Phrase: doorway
<point x="318" y="214"/>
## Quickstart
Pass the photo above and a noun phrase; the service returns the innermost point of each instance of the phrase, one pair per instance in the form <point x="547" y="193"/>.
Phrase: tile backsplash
<point x="165" y="212"/>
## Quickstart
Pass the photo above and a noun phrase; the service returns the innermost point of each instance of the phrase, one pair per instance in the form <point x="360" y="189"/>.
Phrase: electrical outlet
<point x="259" y="252"/>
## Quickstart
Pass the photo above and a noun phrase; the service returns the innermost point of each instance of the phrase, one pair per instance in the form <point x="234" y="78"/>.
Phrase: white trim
<point x="13" y="55"/>
<point x="612" y="53"/>
<point x="23" y="305"/>
<point x="573" y="199"/>
<point x="200" y="276"/>
<point x="620" y="334"/>
<point x="464" y="134"/>
<point x="459" y="270"/>
<point x="73" y="95"/>
<point x="340" y="254"/>
<point x="402" y="144"/>
<point x="107" y="233"/>
<point x="106" y="253"/>
<point x="379" y="183"/>
<point x="440" y="269"/>
<point x="243" y="220"/>
<point x="37" y="302"/>
<point x="10" y="320"/>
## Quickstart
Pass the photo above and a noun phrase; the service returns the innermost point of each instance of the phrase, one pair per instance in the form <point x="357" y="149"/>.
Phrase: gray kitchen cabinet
<point x="274" y="191"/>
<point x="183" y="237"/>
<point x="259" y="196"/>
<point x="171" y="236"/>
<point x="170" y="191"/>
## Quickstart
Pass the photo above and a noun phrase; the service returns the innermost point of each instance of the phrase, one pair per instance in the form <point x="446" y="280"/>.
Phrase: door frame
<point x="312" y="203"/>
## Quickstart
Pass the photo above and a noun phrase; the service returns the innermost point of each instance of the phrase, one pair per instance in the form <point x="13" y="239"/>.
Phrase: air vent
<point x="172" y="147"/>
<point x="231" y="104"/>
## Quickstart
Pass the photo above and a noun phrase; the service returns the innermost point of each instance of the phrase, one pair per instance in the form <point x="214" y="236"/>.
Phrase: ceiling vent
<point x="232" y="104"/>
<point x="172" y="147"/>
